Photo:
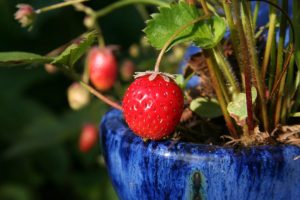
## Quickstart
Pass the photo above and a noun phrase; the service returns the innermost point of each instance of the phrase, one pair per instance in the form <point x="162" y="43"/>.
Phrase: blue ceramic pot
<point x="177" y="170"/>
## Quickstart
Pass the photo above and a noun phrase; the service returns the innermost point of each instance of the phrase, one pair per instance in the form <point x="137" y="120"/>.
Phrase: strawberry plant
<point x="249" y="94"/>
<point x="238" y="82"/>
<point x="239" y="87"/>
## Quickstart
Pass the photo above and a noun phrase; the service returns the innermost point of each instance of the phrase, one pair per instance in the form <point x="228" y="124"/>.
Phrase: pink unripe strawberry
<point x="88" y="137"/>
<point x="102" y="67"/>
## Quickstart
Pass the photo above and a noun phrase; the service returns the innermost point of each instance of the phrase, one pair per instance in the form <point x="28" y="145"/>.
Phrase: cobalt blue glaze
<point x="169" y="170"/>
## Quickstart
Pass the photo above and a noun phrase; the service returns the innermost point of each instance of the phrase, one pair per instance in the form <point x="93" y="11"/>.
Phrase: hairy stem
<point x="247" y="65"/>
<point x="212" y="68"/>
<point x="234" y="36"/>
<point x="253" y="60"/>
<point x="226" y="68"/>
<point x="219" y="90"/>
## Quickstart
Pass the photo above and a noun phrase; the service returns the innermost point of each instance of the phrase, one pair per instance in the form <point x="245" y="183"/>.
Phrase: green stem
<point x="253" y="61"/>
<point x="280" y="110"/>
<point x="93" y="91"/>
<point x="142" y="11"/>
<point x="212" y="69"/>
<point x="255" y="13"/>
<point x="123" y="3"/>
<point x="269" y="42"/>
<point x="247" y="65"/>
<point x="101" y="41"/>
<point x="101" y="96"/>
<point x="272" y="70"/>
<point x="218" y="86"/>
<point x="226" y="68"/>
<point x="59" y="5"/>
<point x="220" y="78"/>
<point x="234" y="36"/>
<point x="283" y="26"/>
<point x="290" y="89"/>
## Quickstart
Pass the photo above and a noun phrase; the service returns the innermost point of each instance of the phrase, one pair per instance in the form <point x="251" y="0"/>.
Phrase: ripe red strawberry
<point x="88" y="137"/>
<point x="152" y="109"/>
<point x="102" y="67"/>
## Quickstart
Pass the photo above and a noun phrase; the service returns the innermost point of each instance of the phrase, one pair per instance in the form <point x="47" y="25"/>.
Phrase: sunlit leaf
<point x="205" y="33"/>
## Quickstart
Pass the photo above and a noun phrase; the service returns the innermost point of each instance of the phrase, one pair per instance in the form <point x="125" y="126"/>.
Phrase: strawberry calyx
<point x="153" y="74"/>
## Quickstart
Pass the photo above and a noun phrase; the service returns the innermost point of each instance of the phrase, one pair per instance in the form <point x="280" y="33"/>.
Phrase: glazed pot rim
<point x="114" y="121"/>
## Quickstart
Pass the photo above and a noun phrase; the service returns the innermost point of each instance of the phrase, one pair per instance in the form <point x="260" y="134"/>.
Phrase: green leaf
<point x="206" y="107"/>
<point x="20" y="58"/>
<point x="205" y="33"/>
<point x="210" y="34"/>
<point x="238" y="107"/>
<point x="72" y="53"/>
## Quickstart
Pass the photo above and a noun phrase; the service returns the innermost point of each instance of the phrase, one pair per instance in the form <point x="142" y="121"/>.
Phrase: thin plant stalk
<point x="59" y="5"/>
<point x="247" y="65"/>
<point x="211" y="63"/>
<point x="272" y="69"/>
<point x="226" y="68"/>
<point x="220" y="77"/>
<point x="223" y="63"/>
<point x="212" y="68"/>
<point x="289" y="90"/>
<point x="255" y="13"/>
<point x="283" y="26"/>
<point x="282" y="80"/>
<point x="116" y="5"/>
<point x="272" y="26"/>
<point x="253" y="60"/>
<point x="279" y="109"/>
<point x="234" y="35"/>
<point x="101" y="96"/>
<point x="70" y="72"/>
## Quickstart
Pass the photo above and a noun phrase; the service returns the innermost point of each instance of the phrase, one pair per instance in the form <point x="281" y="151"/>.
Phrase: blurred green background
<point x="39" y="133"/>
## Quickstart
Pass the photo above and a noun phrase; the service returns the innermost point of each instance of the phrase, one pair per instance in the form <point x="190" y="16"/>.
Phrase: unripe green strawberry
<point x="78" y="97"/>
